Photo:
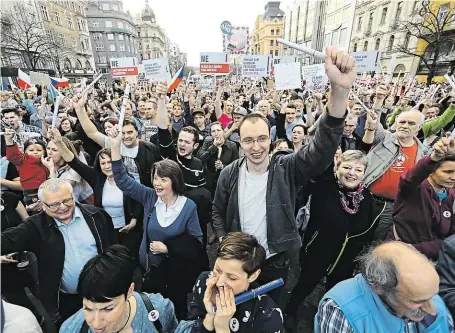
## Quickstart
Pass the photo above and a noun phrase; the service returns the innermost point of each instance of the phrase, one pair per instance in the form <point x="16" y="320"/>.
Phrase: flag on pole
<point x="60" y="83"/>
<point x="11" y="83"/>
<point x="178" y="77"/>
<point x="23" y="80"/>
<point x="52" y="92"/>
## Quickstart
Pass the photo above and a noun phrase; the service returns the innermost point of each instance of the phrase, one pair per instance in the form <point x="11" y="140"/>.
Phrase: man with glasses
<point x="391" y="155"/>
<point x="64" y="236"/>
<point x="257" y="195"/>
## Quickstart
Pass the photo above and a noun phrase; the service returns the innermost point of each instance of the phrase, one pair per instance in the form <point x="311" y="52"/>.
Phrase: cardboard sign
<point x="315" y="77"/>
<point x="206" y="84"/>
<point x="284" y="60"/>
<point x="40" y="78"/>
<point x="367" y="61"/>
<point x="256" y="66"/>
<point x="287" y="76"/>
<point x="157" y="70"/>
<point x="214" y="63"/>
<point x="124" y="66"/>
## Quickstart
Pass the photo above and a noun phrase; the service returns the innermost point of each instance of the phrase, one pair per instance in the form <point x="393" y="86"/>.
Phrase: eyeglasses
<point x="251" y="141"/>
<point x="54" y="206"/>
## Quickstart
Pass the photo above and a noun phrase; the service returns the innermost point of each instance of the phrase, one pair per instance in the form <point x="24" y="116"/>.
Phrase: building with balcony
<point x="376" y="26"/>
<point x="113" y="32"/>
<point x="268" y="27"/>
<point x="65" y="23"/>
<point x="152" y="38"/>
<point x="444" y="10"/>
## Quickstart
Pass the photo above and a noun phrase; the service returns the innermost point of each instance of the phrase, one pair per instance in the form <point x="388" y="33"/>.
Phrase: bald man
<point x="396" y="291"/>
<point x="391" y="155"/>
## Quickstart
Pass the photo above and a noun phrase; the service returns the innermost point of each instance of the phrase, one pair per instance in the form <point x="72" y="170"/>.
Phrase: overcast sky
<point x="195" y="24"/>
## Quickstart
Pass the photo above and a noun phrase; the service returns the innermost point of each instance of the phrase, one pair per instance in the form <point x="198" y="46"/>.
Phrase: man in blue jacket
<point x="397" y="291"/>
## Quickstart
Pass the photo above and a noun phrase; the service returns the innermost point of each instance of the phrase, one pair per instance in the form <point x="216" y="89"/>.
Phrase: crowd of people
<point x="110" y="201"/>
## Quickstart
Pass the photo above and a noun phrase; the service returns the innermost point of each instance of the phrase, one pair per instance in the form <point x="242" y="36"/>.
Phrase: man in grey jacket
<point x="257" y="194"/>
<point x="446" y="271"/>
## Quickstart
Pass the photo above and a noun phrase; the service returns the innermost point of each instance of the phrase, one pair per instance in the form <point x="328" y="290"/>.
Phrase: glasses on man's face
<point x="54" y="206"/>
<point x="250" y="141"/>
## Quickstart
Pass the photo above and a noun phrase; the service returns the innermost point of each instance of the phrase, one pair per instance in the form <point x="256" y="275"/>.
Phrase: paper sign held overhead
<point x="256" y="66"/>
<point x="157" y="70"/>
<point x="124" y="66"/>
<point x="214" y="63"/>
<point x="367" y="61"/>
<point x="283" y="59"/>
<point x="40" y="78"/>
<point x="315" y="76"/>
<point x="287" y="76"/>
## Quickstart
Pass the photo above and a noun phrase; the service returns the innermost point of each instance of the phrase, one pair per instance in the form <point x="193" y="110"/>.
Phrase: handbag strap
<point x="395" y="234"/>
<point x="150" y="310"/>
<point x="147" y="240"/>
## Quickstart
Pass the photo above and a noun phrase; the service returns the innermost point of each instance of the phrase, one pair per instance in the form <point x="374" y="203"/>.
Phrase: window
<point x="127" y="48"/>
<point x="95" y="24"/>
<point x="112" y="47"/>
<point x="110" y="36"/>
<point x="56" y="15"/>
<point x="359" y="23"/>
<point x="355" y="48"/>
<point x="97" y="36"/>
<point x="407" y="38"/>
<point x="102" y="59"/>
<point x="335" y="37"/>
<point x="272" y="32"/>
<point x="106" y="6"/>
<point x="276" y="52"/>
<point x="99" y="47"/>
<point x="370" y="21"/>
<point x="399" y="9"/>
<point x="383" y="15"/>
<point x="74" y="42"/>
<point x="443" y="12"/>
<point x="343" y="33"/>
<point x="115" y="8"/>
<point x="81" y="10"/>
<point x="271" y="43"/>
<point x="120" y="25"/>
<point x="327" y="39"/>
<point x="83" y="25"/>
<point x="108" y="24"/>
<point x="120" y="37"/>
<point x="276" y="43"/>
<point x="365" y="46"/>
<point x="378" y="43"/>
<point x="277" y="32"/>
<point x="271" y="52"/>
<point x="50" y="35"/>
<point x="70" y="21"/>
<point x="44" y="13"/>
<point x="61" y="39"/>
<point x="122" y="48"/>
<point x="391" y="41"/>
<point x="83" y="44"/>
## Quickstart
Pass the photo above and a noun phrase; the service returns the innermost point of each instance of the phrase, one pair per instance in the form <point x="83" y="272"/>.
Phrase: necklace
<point x="129" y="314"/>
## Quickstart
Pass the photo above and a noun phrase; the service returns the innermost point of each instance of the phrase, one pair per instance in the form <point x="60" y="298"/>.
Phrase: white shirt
<point x="19" y="319"/>
<point x="252" y="205"/>
<point x="167" y="215"/>
<point x="112" y="200"/>
<point x="128" y="158"/>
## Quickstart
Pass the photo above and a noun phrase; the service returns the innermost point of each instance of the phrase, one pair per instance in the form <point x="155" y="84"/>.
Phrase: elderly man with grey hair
<point x="396" y="291"/>
<point x="64" y="236"/>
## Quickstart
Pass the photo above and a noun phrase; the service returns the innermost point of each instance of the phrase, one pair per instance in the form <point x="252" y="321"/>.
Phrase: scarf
<point x="350" y="199"/>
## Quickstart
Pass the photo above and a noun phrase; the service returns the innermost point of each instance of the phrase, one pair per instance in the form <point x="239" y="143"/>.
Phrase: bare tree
<point x="431" y="25"/>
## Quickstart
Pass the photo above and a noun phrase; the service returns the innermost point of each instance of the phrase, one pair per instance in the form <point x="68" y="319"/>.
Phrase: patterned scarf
<point x="350" y="198"/>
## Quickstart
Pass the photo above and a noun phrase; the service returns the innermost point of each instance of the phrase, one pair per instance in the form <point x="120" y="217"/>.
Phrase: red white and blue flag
<point x="23" y="80"/>
<point x="178" y="77"/>
<point x="60" y="83"/>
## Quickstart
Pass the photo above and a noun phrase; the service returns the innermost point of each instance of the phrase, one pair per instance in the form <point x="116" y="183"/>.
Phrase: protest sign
<point x="256" y="66"/>
<point x="140" y="72"/>
<point x="287" y="76"/>
<point x="206" y="84"/>
<point x="214" y="63"/>
<point x="40" y="78"/>
<point x="124" y="66"/>
<point x="157" y="70"/>
<point x="366" y="61"/>
<point x="315" y="76"/>
<point x="283" y="59"/>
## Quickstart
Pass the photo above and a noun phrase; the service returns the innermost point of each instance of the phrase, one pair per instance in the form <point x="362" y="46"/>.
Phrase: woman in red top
<point x="32" y="172"/>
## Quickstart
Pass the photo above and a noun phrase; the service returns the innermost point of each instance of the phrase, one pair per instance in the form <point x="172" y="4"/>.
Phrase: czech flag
<point x="23" y="80"/>
<point x="178" y="77"/>
<point x="60" y="83"/>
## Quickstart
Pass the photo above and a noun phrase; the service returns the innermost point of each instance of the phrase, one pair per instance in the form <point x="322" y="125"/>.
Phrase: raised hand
<point x="54" y="135"/>
<point x="161" y="90"/>
<point x="372" y="120"/>
<point x="115" y="137"/>
<point x="78" y="102"/>
<point x="225" y="308"/>
<point x="9" y="135"/>
<point x="341" y="68"/>
<point x="444" y="147"/>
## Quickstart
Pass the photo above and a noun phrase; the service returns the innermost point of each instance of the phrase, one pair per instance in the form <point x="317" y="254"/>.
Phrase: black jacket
<point x="96" y="179"/>
<point x="208" y="154"/>
<point x="334" y="238"/>
<point x="40" y="235"/>
<point x="147" y="155"/>
<point x="446" y="271"/>
<point x="287" y="174"/>
<point x="354" y="143"/>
